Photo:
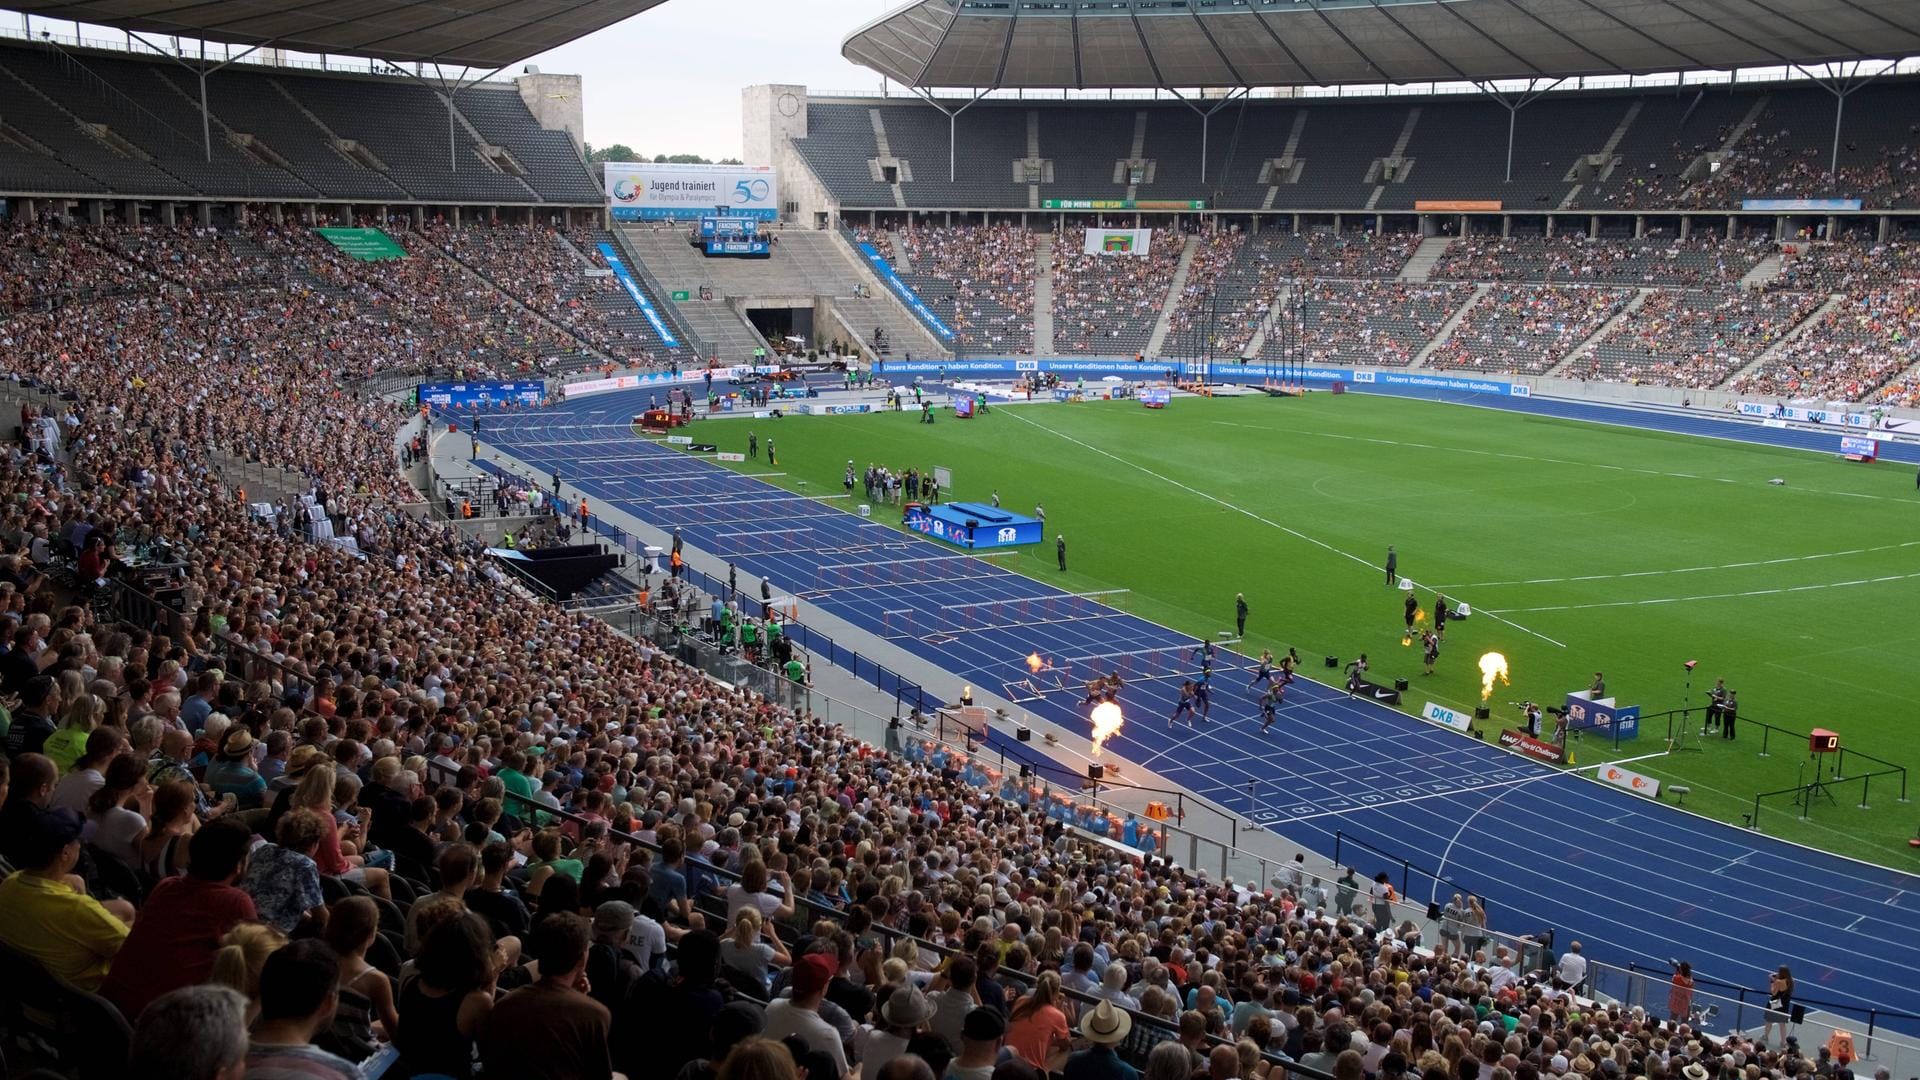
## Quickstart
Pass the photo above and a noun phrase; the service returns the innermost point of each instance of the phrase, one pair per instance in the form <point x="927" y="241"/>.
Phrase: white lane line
<point x="1703" y="596"/>
<point x="1685" y="569"/>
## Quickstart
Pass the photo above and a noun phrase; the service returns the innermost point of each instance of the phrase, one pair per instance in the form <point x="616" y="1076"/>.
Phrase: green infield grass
<point x="1580" y="547"/>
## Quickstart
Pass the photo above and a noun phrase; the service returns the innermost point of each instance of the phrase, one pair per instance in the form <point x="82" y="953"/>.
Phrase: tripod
<point x="1813" y="792"/>
<point x="1677" y="742"/>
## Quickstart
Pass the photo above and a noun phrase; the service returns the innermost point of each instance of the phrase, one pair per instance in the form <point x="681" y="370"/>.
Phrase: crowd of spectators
<point x="1694" y="338"/>
<point x="1848" y="352"/>
<point x="1700" y="262"/>
<point x="43" y="267"/>
<point x="1372" y="323"/>
<point x="1846" y="266"/>
<point x="1526" y="330"/>
<point x="1210" y="303"/>
<point x="1107" y="305"/>
<point x="1770" y="160"/>
<point x="326" y="802"/>
<point x="981" y="279"/>
<point x="540" y="269"/>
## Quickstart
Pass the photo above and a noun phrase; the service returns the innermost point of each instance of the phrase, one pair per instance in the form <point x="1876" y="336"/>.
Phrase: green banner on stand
<point x="367" y="245"/>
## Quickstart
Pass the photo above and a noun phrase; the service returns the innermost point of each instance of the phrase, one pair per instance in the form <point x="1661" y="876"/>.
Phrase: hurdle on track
<point x="1165" y="662"/>
<point x="872" y="573"/>
<point x="1018" y="614"/>
<point x="897" y="624"/>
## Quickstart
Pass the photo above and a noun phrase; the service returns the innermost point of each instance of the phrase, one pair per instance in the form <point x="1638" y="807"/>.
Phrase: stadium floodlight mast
<point x="1206" y="117"/>
<point x="953" y="118"/>
<point x="1513" y="103"/>
<point x="1841" y="81"/>
<point x="201" y="72"/>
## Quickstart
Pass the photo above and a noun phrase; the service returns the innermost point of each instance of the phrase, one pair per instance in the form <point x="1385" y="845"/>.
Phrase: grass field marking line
<point x="1703" y="596"/>
<point x="1563" y="461"/>
<point x="1368" y="563"/>
<point x="1691" y="569"/>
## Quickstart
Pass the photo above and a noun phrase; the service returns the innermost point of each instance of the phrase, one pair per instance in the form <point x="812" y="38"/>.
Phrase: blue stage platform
<point x="974" y="526"/>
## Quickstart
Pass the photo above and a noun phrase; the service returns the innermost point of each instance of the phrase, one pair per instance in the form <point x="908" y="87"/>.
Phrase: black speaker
<point x="1333" y="661"/>
<point x="1433" y="911"/>
<point x="1096" y="771"/>
<point x="1024" y="733"/>
<point x="1400" y="685"/>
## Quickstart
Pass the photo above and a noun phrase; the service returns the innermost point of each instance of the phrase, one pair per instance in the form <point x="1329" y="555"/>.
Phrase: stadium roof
<point x="472" y="33"/>
<point x="1229" y="43"/>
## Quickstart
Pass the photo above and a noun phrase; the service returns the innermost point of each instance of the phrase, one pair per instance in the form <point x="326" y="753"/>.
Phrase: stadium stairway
<point x="1764" y="271"/>
<point x="666" y="254"/>
<point x="1445" y="333"/>
<point x="1043" y="295"/>
<point x="1175" y="289"/>
<point x="1799" y="329"/>
<point x="896" y="252"/>
<point x="905" y="332"/>
<point x="1430" y="252"/>
<point x="1608" y="327"/>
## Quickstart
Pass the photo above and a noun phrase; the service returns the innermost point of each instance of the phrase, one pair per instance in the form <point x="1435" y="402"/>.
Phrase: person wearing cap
<point x="981" y="1036"/>
<point x="902" y="1031"/>
<point x="1105" y="1026"/>
<point x="614" y="964"/>
<point x="738" y="1022"/>
<point x="799" y="1013"/>
<point x="231" y="772"/>
<point x="45" y="917"/>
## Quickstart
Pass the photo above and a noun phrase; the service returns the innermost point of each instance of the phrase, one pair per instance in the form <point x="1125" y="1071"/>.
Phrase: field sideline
<point x="1580" y="547"/>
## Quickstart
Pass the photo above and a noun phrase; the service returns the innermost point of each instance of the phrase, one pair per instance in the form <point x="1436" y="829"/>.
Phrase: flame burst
<point x="1492" y="666"/>
<point x="1034" y="663"/>
<point x="1419" y="615"/>
<point x="1106" y="724"/>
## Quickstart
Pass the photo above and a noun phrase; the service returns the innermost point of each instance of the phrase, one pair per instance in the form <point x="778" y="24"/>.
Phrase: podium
<point x="1613" y="720"/>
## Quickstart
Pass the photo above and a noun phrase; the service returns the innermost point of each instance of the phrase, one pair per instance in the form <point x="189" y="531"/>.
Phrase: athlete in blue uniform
<point x="1271" y="702"/>
<point x="1185" y="707"/>
<point x="1203" y="695"/>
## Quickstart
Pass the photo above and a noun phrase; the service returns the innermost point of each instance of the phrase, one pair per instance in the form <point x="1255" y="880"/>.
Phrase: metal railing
<point x="907" y="694"/>
<point x="1726" y="1008"/>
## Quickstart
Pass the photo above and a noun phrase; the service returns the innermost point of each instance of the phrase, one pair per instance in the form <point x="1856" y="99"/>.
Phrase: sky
<point x="668" y="80"/>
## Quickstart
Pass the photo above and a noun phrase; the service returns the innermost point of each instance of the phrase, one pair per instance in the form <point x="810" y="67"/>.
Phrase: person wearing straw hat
<point x="232" y="772"/>
<point x="1105" y="1027"/>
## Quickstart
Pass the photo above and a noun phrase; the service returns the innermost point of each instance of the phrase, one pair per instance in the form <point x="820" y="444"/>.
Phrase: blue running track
<point x="1634" y="881"/>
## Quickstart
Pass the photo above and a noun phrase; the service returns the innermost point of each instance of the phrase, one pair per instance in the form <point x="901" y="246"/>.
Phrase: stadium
<point x="1244" y="539"/>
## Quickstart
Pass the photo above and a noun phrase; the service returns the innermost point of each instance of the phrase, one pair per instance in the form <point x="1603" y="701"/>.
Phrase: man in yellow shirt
<point x="69" y="933"/>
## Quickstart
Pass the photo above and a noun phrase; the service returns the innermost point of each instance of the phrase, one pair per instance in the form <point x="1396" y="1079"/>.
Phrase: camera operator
<point x="1532" y="712"/>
